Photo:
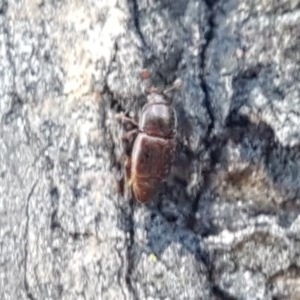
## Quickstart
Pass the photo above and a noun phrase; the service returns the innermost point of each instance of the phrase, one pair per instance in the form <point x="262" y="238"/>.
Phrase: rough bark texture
<point x="226" y="226"/>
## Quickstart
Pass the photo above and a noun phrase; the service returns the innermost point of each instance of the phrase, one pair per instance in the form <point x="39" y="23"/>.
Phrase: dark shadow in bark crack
<point x="278" y="162"/>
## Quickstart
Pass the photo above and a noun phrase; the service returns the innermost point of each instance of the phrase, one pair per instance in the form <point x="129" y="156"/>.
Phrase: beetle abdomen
<point x="145" y="189"/>
<point x="152" y="157"/>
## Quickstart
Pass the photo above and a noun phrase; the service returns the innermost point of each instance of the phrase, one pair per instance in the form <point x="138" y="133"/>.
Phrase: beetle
<point x="151" y="153"/>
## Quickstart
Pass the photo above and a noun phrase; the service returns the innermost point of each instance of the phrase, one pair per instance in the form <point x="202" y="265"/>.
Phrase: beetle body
<point x="153" y="149"/>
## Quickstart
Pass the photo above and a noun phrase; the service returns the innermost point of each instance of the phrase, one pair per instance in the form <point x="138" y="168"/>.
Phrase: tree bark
<point x="226" y="224"/>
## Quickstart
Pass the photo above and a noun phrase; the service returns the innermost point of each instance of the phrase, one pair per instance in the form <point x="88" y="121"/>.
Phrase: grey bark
<point x="226" y="226"/>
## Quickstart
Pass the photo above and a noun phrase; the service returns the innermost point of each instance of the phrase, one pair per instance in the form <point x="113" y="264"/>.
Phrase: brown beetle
<point x="152" y="151"/>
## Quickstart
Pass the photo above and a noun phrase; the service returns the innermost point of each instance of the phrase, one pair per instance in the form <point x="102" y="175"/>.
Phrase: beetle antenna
<point x="177" y="84"/>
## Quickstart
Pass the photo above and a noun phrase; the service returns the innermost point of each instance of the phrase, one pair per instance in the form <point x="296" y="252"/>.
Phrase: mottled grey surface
<point x="225" y="226"/>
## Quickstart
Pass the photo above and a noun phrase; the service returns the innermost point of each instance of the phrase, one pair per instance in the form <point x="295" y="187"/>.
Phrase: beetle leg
<point x="127" y="120"/>
<point x="129" y="135"/>
<point x="128" y="169"/>
<point x="128" y="183"/>
<point x="128" y="140"/>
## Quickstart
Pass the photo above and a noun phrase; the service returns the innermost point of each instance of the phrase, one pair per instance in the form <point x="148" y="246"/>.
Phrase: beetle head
<point x="156" y="97"/>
